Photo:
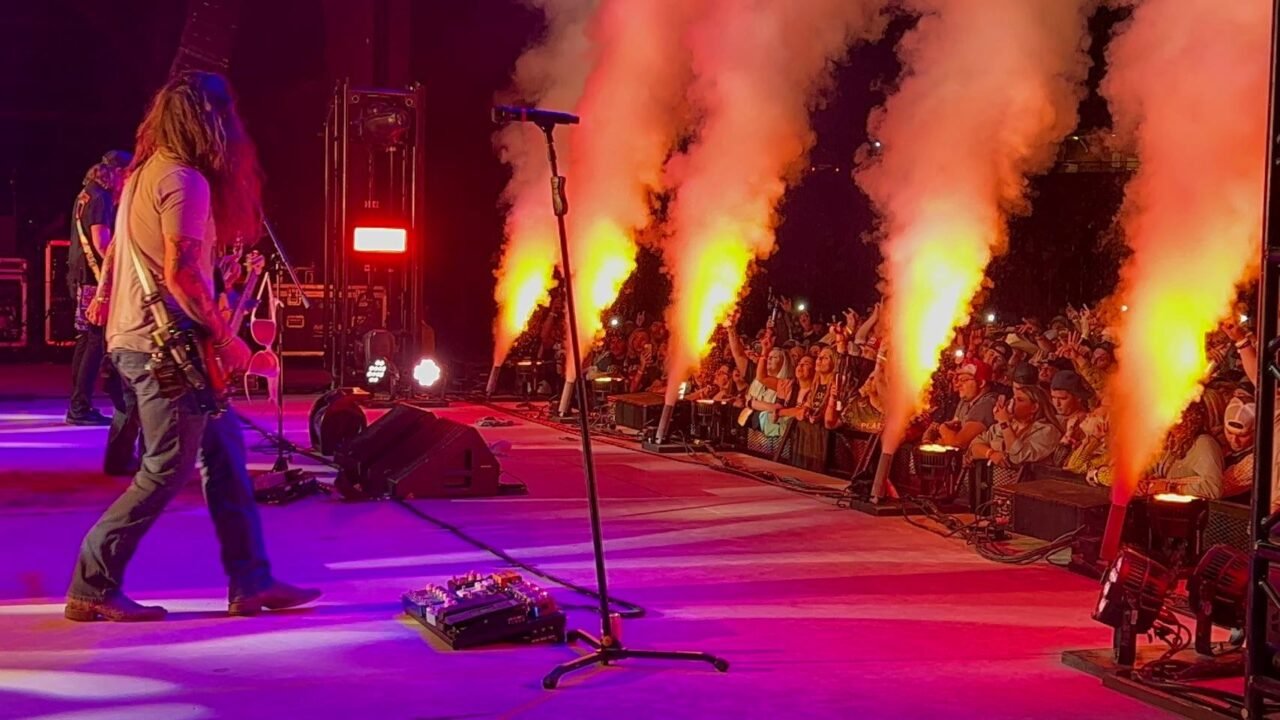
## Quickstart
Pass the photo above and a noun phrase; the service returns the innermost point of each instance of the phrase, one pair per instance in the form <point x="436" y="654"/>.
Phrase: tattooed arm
<point x="185" y="280"/>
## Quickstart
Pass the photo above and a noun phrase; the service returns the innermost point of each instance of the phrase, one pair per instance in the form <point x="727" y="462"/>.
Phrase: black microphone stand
<point x="608" y="648"/>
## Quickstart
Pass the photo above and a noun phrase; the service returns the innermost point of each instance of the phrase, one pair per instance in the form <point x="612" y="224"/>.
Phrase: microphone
<point x="506" y="114"/>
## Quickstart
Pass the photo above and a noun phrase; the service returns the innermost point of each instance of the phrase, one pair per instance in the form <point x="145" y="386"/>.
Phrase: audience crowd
<point x="1009" y="394"/>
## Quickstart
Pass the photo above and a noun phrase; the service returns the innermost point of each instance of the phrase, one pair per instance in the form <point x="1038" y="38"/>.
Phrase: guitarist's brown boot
<point x="278" y="596"/>
<point x="116" y="608"/>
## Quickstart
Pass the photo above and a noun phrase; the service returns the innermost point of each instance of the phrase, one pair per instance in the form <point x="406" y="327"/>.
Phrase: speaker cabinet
<point x="412" y="453"/>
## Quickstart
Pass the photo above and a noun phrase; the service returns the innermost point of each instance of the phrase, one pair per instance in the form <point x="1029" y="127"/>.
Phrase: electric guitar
<point x="256" y="265"/>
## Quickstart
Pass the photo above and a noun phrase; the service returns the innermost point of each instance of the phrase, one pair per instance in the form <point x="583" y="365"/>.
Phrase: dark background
<point x="75" y="76"/>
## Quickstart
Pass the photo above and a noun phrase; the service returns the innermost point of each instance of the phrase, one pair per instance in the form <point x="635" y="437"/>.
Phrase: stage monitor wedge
<point x="412" y="453"/>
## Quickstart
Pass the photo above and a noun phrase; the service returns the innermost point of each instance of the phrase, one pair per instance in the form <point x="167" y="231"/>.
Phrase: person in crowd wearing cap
<point x="974" y="414"/>
<point x="1071" y="397"/>
<point x="195" y="178"/>
<point x="1050" y="367"/>
<point x="1238" y="425"/>
<point x="998" y="355"/>
<point x="1191" y="463"/>
<point x="1023" y="374"/>
<point x="92" y="220"/>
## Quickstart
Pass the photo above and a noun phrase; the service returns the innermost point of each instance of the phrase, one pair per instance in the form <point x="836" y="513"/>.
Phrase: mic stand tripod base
<point x="608" y="653"/>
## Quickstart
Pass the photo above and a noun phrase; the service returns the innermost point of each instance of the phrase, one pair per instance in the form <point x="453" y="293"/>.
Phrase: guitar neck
<point x="242" y="305"/>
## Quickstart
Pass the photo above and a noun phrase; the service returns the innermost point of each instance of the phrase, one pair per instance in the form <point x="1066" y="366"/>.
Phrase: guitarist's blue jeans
<point x="177" y="436"/>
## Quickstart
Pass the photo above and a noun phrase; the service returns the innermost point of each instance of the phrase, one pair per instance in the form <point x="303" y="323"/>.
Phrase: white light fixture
<point x="426" y="373"/>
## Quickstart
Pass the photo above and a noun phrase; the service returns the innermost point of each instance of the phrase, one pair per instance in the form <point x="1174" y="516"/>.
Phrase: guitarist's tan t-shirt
<point x="162" y="198"/>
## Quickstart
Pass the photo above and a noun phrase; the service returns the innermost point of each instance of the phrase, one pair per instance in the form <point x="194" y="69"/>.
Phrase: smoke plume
<point x="758" y="66"/>
<point x="1188" y="85"/>
<point x="632" y="109"/>
<point x="553" y="73"/>
<point x="988" y="89"/>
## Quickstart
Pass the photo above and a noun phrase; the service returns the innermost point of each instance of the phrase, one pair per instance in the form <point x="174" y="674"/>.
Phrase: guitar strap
<point x="150" y="294"/>
<point x="90" y="256"/>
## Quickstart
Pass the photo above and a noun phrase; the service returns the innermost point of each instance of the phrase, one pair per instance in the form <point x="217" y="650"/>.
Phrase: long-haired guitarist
<point x="194" y="177"/>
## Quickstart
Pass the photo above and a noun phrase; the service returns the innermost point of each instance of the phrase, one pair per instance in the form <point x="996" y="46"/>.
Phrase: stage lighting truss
<point x="1133" y="592"/>
<point x="1217" y="591"/>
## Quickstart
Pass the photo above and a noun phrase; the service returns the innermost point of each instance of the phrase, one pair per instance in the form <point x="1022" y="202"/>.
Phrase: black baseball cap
<point x="117" y="158"/>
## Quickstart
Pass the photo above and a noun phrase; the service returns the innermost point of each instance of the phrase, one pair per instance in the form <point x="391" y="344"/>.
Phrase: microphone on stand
<point x="503" y="114"/>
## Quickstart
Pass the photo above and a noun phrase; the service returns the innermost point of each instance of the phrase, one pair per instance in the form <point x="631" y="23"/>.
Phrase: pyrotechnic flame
<point x="632" y="109"/>
<point x="1188" y="82"/>
<point x="523" y="280"/>
<point x="552" y="73"/>
<point x="935" y="268"/>
<point x="989" y="88"/>
<point x="756" y="72"/>
<point x="715" y="274"/>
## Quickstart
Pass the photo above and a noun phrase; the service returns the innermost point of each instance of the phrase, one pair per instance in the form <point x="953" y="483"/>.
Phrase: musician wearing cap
<point x="92" y="219"/>
<point x="974" y="414"/>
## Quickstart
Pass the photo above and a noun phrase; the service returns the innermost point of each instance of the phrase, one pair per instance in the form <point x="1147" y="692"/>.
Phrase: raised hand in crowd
<point x="1073" y="348"/>
<point x="1236" y="332"/>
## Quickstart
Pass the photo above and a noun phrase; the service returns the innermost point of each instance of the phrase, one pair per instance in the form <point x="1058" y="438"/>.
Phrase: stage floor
<point x="822" y="612"/>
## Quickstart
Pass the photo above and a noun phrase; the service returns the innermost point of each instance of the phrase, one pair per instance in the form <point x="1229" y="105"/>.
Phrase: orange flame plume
<point x="1187" y="84"/>
<point x="988" y="90"/>
<point x="756" y="73"/>
<point x="632" y="109"/>
<point x="553" y="74"/>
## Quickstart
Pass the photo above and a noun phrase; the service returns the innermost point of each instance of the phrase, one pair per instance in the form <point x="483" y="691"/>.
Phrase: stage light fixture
<point x="379" y="374"/>
<point x="336" y="418"/>
<point x="1133" y="591"/>
<point x="385" y="123"/>
<point x="1176" y="523"/>
<point x="1217" y="591"/>
<point x="934" y="474"/>
<point x="380" y="240"/>
<point x="426" y="373"/>
<point x="704" y="420"/>
<point x="602" y="388"/>
<point x="614" y="322"/>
